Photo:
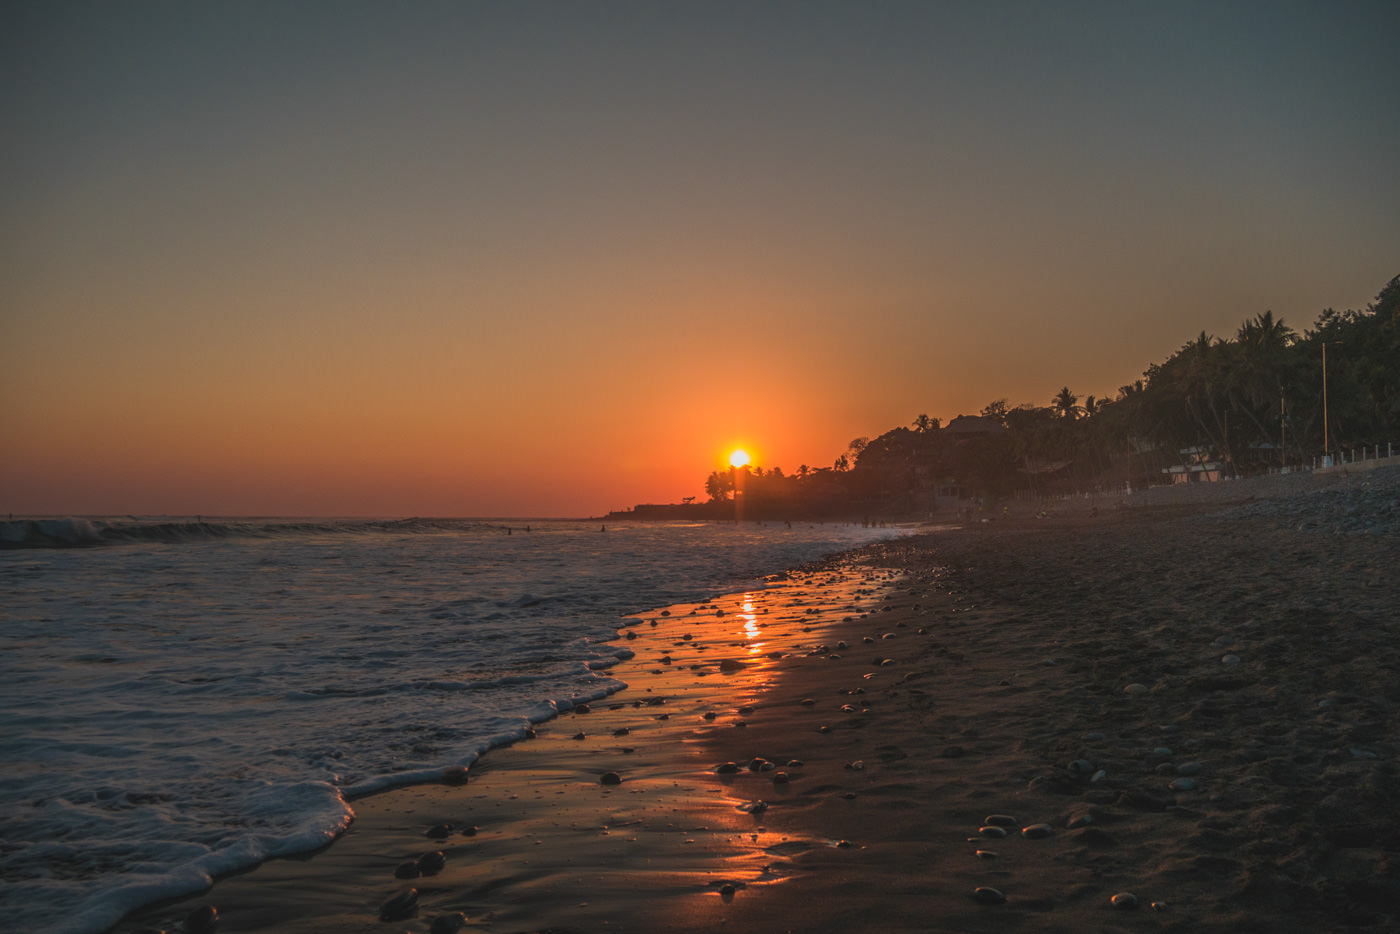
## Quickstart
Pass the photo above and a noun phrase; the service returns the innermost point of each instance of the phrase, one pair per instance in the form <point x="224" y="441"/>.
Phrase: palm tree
<point x="1066" y="403"/>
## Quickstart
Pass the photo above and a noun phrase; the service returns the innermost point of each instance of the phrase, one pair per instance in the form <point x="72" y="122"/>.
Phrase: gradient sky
<point x="533" y="259"/>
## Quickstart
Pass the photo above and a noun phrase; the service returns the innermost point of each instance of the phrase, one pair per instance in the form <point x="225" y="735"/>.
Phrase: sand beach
<point x="1188" y="697"/>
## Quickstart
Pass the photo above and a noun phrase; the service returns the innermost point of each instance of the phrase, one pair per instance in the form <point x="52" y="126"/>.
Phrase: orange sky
<point x="536" y="260"/>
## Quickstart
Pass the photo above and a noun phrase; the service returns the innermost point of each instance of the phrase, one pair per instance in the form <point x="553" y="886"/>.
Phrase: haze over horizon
<point x="552" y="259"/>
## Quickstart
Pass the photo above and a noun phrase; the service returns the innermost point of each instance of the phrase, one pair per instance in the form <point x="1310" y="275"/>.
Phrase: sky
<point x="552" y="259"/>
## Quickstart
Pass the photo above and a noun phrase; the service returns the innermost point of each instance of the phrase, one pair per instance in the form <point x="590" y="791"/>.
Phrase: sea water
<point x="184" y="699"/>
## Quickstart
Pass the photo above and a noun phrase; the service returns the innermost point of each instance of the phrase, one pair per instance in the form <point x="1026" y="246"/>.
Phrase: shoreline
<point x="694" y="667"/>
<point x="1011" y="700"/>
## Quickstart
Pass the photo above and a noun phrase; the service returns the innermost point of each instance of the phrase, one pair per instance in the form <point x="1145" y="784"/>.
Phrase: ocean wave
<point x="77" y="532"/>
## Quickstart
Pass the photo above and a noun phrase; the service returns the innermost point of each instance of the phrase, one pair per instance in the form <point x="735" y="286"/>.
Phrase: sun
<point x="739" y="458"/>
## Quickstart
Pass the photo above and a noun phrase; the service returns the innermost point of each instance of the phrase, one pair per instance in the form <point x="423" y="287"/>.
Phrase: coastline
<point x="1032" y="629"/>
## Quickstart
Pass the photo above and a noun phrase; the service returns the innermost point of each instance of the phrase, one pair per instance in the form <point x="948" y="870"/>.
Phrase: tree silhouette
<point x="1066" y="403"/>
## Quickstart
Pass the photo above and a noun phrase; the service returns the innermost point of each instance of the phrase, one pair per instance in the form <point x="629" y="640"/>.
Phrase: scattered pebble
<point x="1037" y="831"/>
<point x="457" y="775"/>
<point x="430" y="864"/>
<point x="993" y="831"/>
<point x="448" y="924"/>
<point x="401" y="906"/>
<point x="1124" y="901"/>
<point x="610" y="778"/>
<point x="1001" y="820"/>
<point x="988" y="895"/>
<point x="1136" y="688"/>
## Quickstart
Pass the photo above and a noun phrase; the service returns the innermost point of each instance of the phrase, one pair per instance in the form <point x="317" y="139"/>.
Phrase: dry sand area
<point x="998" y="728"/>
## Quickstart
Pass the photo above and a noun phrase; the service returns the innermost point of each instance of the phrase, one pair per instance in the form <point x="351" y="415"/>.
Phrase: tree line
<point x="1266" y="398"/>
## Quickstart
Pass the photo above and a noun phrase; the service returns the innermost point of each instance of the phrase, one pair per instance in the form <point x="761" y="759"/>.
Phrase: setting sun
<point x="739" y="458"/>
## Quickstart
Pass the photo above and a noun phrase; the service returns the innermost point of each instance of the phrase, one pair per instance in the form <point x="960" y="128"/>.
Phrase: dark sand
<point x="1259" y="619"/>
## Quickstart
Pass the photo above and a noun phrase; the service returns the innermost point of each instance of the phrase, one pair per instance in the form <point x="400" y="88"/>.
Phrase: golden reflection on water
<point x="750" y="620"/>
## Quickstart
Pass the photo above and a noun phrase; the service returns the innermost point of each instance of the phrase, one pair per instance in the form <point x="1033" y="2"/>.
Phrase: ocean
<point x="183" y="699"/>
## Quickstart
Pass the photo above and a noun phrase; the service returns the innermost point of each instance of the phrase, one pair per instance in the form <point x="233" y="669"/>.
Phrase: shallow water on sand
<point x="194" y="701"/>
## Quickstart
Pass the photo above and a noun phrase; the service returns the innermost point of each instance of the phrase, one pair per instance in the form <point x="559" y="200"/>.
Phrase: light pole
<point x="1326" y="437"/>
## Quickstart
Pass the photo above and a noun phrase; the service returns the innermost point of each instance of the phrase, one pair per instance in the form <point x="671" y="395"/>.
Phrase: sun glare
<point x="739" y="458"/>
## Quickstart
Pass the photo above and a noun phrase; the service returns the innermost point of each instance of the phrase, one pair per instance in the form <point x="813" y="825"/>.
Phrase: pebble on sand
<point x="1036" y="831"/>
<point x="430" y="864"/>
<point x="1124" y="901"/>
<point x="401" y="906"/>
<point x="448" y="924"/>
<point x="1001" y="820"/>
<point x="1136" y="688"/>
<point x="988" y="895"/>
<point x="610" y="778"/>
<point x="993" y="831"/>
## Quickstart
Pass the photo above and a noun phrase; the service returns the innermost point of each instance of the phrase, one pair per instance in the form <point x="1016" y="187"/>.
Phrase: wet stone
<point x="610" y="778"/>
<point x="400" y="907"/>
<point x="454" y="776"/>
<point x="988" y="895"/>
<point x="727" y="768"/>
<point x="1081" y="768"/>
<point x="992" y="831"/>
<point x="1037" y="831"/>
<point x="439" y="831"/>
<point x="448" y="924"/>
<point x="1000" y="820"/>
<point x="430" y="864"/>
<point x="1124" y="901"/>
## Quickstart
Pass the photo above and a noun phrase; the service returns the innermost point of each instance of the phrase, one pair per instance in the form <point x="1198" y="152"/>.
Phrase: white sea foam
<point x="199" y="697"/>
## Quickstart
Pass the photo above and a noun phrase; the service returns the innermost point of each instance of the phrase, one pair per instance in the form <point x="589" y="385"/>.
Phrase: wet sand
<point x="1064" y="671"/>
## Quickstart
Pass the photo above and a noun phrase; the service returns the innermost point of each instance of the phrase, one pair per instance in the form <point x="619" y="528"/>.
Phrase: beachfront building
<point x="1197" y="466"/>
